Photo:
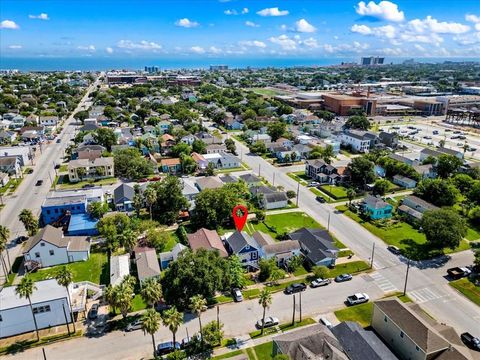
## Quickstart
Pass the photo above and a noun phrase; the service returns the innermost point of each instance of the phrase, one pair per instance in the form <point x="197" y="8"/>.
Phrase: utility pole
<point x="300" y="306"/>
<point x="373" y="254"/>
<point x="43" y="352"/>
<point x="328" y="223"/>
<point x="273" y="179"/>
<point x="65" y="315"/>
<point x="293" y="316"/>
<point x="258" y="170"/>
<point x="298" y="191"/>
<point x="406" y="278"/>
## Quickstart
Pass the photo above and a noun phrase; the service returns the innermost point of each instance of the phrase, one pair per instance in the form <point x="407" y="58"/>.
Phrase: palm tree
<point x="151" y="291"/>
<point x="123" y="297"/>
<point x="350" y="195"/>
<point x="151" y="324"/>
<point x="110" y="296"/>
<point x="197" y="304"/>
<point x="29" y="222"/>
<point x="150" y="195"/>
<point x="64" y="278"/>
<point x="172" y="319"/>
<point x="4" y="235"/>
<point x="128" y="239"/>
<point x="265" y="300"/>
<point x="25" y="290"/>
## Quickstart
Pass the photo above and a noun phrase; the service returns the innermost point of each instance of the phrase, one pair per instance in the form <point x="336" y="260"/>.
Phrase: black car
<point x="320" y="199"/>
<point x="93" y="313"/>
<point x="86" y="186"/>
<point x="471" y="341"/>
<point x="39" y="183"/>
<point x="167" y="347"/>
<point x="21" y="239"/>
<point x="394" y="250"/>
<point x="59" y="141"/>
<point x="295" y="288"/>
<point x="57" y="166"/>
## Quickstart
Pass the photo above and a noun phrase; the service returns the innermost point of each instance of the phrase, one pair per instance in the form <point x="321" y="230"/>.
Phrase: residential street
<point x="29" y="196"/>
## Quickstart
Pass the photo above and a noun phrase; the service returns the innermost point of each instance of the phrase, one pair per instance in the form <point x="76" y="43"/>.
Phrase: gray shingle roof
<point x="123" y="191"/>
<point x="318" y="242"/>
<point x="238" y="240"/>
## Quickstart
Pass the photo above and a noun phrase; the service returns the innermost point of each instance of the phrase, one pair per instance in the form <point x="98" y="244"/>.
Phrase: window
<point x="41" y="309"/>
<point x="37" y="254"/>
<point x="42" y="244"/>
<point x="52" y="252"/>
<point x="48" y="212"/>
<point x="417" y="348"/>
<point x="385" y="319"/>
<point x="401" y="334"/>
<point x="56" y="211"/>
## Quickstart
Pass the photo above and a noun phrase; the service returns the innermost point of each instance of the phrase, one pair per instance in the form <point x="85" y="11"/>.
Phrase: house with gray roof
<point x="119" y="268"/>
<point x="414" y="207"/>
<point x="147" y="263"/>
<point x="245" y="247"/>
<point x="317" y="245"/>
<point x="123" y="197"/>
<point x="282" y="251"/>
<point x="168" y="256"/>
<point x="209" y="182"/>
<point x="49" y="247"/>
<point x="251" y="179"/>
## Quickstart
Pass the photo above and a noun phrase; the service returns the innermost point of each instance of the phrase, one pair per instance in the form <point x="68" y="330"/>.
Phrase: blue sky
<point x="229" y="29"/>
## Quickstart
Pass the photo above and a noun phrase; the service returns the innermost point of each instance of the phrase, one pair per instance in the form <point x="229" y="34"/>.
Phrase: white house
<point x="275" y="200"/>
<point x="48" y="120"/>
<point x="119" y="268"/>
<point x="358" y="142"/>
<point x="188" y="139"/>
<point x="49" y="247"/>
<point x="51" y="307"/>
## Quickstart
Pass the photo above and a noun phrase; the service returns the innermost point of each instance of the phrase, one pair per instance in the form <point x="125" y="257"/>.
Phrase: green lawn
<point x="264" y="351"/>
<point x="95" y="269"/>
<point x="467" y="288"/>
<point x="11" y="186"/>
<point x="62" y="182"/>
<point x="279" y="224"/>
<point x="172" y="241"/>
<point x="359" y="313"/>
<point x="339" y="192"/>
<point x="282" y="328"/>
<point x="349" y="268"/>
<point x="63" y="168"/>
<point x="300" y="177"/>
<point x="473" y="232"/>
<point x="227" y="355"/>
<point x="399" y="233"/>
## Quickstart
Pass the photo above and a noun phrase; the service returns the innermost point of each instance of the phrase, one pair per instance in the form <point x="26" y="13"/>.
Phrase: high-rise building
<point x="151" y="69"/>
<point x="372" y="60"/>
<point x="218" y="67"/>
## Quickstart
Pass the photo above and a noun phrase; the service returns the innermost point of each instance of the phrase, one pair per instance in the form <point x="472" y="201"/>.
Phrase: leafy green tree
<point x="170" y="200"/>
<point x="443" y="228"/>
<point x="188" y="164"/>
<point x="476" y="257"/>
<point x="325" y="115"/>
<point x="265" y="299"/>
<point x="210" y="170"/>
<point x="234" y="273"/>
<point x="249" y="114"/>
<point x="181" y="149"/>
<point x="361" y="171"/>
<point x="351" y="193"/>
<point x="197" y="305"/>
<point x="129" y="163"/>
<point x="64" y="278"/>
<point x="381" y="187"/>
<point x="124" y="295"/>
<point x="266" y="268"/>
<point x="172" y="319"/>
<point x="4" y="235"/>
<point x="437" y="191"/>
<point x="81" y="115"/>
<point x="213" y="333"/>
<point x="276" y="129"/>
<point x="97" y="209"/>
<point x="463" y="182"/>
<point x="474" y="194"/>
<point x="275" y="275"/>
<point x="295" y="262"/>
<point x="28" y="221"/>
<point x="138" y="202"/>
<point x="199" y="146"/>
<point x="321" y="271"/>
<point x="447" y="165"/>
<point x="25" y="289"/>
<point x="150" y="196"/>
<point x="151" y="291"/>
<point x="327" y="154"/>
<point x="105" y="137"/>
<point x="358" y="122"/>
<point x="150" y="325"/>
<point x="258" y="147"/>
<point x="230" y="144"/>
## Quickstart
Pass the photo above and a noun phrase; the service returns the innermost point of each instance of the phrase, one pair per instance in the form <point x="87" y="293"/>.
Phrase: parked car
<point x="471" y="341"/>
<point x="269" y="322"/>
<point x="167" y="347"/>
<point x="21" y="239"/>
<point x="313" y="183"/>
<point x="394" y="250"/>
<point x="57" y="166"/>
<point x="39" y="183"/>
<point x="135" y="325"/>
<point x="59" y="141"/>
<point x="320" y="199"/>
<point x="358" y="298"/>
<point x="237" y="295"/>
<point x="320" y="282"/>
<point x="188" y="340"/>
<point x="87" y="186"/>
<point x="325" y="322"/>
<point x="458" y="272"/>
<point x="93" y="313"/>
<point x="343" y="277"/>
<point x="294" y="288"/>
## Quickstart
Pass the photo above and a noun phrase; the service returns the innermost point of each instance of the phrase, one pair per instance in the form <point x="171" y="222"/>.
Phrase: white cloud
<point x="186" y="23"/>
<point x="109" y="50"/>
<point x="9" y="24"/>
<point x="41" y="16"/>
<point x="361" y="29"/>
<point x="272" y="12"/>
<point x="430" y="24"/>
<point x="253" y="43"/>
<point x="251" y="24"/>
<point x="230" y="12"/>
<point x="197" y="49"/>
<point x="15" y="47"/>
<point x="245" y="10"/>
<point x="419" y="47"/>
<point x="214" y="50"/>
<point x="283" y="27"/>
<point x="142" y="45"/>
<point x="384" y="10"/>
<point x="86" y="47"/>
<point x="431" y="38"/>
<point x="310" y="43"/>
<point x="304" y="26"/>
<point x="284" y="42"/>
<point x="474" y="19"/>
<point x="392" y="51"/>
<point x="468" y="39"/>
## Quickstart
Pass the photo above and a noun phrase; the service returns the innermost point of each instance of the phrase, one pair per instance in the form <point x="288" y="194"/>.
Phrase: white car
<point x="269" y="322"/>
<point x="320" y="282"/>
<point x="358" y="298"/>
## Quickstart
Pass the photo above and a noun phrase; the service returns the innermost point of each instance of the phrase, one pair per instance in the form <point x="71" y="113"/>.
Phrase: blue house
<point x="245" y="247"/>
<point x="82" y="225"/>
<point x="376" y="208"/>
<point x="58" y="208"/>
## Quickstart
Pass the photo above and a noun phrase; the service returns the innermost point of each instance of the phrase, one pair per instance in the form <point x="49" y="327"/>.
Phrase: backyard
<point x="62" y="182"/>
<point x="95" y="269"/>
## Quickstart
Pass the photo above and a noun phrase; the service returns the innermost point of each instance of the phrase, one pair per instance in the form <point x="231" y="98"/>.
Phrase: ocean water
<point x="107" y="63"/>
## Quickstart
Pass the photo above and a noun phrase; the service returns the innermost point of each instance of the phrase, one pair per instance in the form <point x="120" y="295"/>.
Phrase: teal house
<point x="376" y="208"/>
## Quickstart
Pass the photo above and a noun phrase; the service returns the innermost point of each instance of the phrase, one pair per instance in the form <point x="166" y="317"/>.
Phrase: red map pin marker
<point x="240" y="220"/>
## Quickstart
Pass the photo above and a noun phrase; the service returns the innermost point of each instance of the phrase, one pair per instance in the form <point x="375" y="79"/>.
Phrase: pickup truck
<point x="458" y="272"/>
<point x="356" y="299"/>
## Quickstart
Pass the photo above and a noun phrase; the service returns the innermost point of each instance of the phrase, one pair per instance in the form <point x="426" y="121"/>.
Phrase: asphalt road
<point x="29" y="196"/>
